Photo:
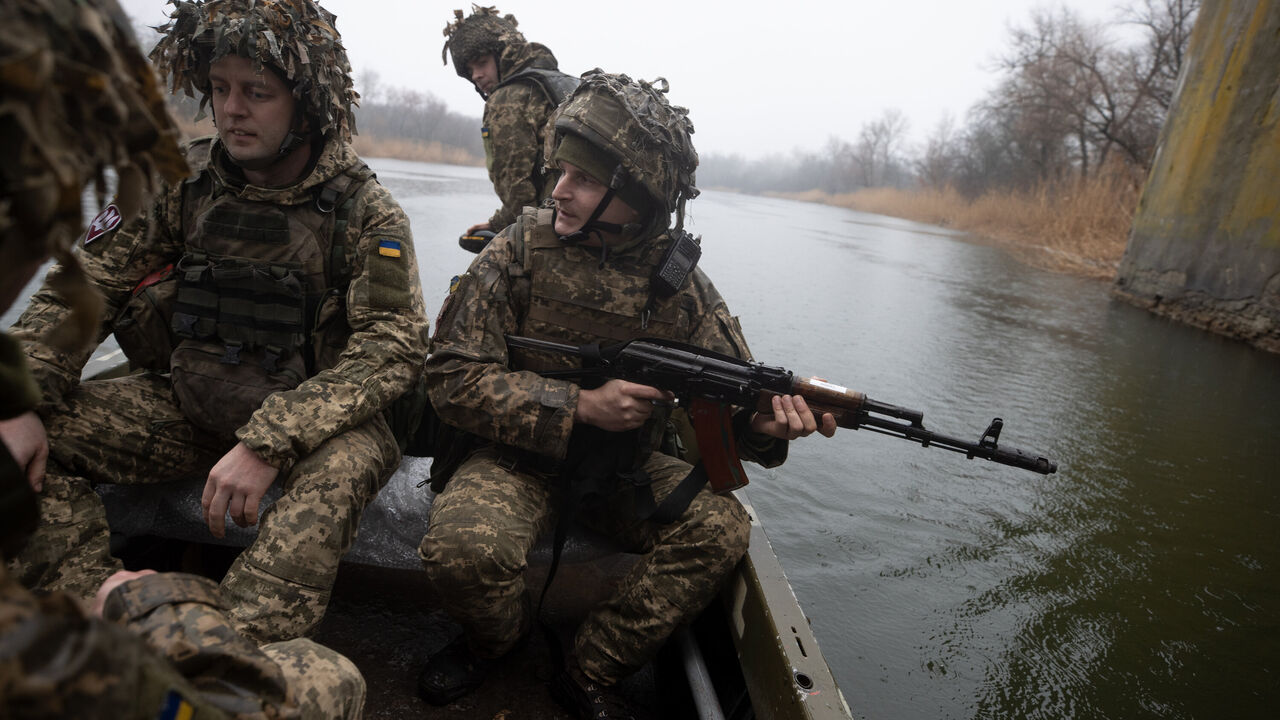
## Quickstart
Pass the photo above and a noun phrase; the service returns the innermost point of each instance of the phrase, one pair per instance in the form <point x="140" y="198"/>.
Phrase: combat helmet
<point x="297" y="38"/>
<point x="77" y="97"/>
<point x="643" y="135"/>
<point x="481" y="33"/>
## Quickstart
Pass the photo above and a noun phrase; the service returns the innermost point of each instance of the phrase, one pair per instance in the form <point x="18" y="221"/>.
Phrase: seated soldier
<point x="582" y="273"/>
<point x="289" y="316"/>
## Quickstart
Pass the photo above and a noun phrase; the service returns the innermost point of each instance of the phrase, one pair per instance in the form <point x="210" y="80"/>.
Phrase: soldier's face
<point x="484" y="73"/>
<point x="577" y="194"/>
<point x="254" y="111"/>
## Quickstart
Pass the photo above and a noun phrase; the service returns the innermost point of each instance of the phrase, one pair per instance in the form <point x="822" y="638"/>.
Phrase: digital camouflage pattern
<point x="515" y="120"/>
<point x="76" y="97"/>
<point x="516" y="126"/>
<point x="327" y="436"/>
<point x="483" y="32"/>
<point x="296" y="37"/>
<point x="527" y="282"/>
<point x="163" y="642"/>
<point x="633" y="121"/>
<point x="487" y="519"/>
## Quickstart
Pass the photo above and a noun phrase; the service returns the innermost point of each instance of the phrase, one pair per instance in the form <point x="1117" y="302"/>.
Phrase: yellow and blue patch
<point x="453" y="284"/>
<point x="389" y="248"/>
<point x="484" y="133"/>
<point x="176" y="708"/>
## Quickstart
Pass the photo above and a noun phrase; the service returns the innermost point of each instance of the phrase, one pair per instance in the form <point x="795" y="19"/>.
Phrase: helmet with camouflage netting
<point x="483" y="32"/>
<point x="296" y="38"/>
<point x="77" y="96"/>
<point x="647" y="137"/>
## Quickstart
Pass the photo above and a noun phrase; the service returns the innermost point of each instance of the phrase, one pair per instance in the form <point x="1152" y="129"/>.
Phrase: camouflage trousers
<point x="322" y="682"/>
<point x="129" y="431"/>
<point x="485" y="521"/>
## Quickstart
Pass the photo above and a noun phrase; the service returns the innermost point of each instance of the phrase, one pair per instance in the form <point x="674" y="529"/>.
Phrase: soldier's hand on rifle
<point x="619" y="405"/>
<point x="236" y="484"/>
<point x="792" y="419"/>
<point x="28" y="443"/>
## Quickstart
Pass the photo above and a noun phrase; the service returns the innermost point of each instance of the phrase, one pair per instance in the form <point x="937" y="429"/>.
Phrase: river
<point x="1141" y="580"/>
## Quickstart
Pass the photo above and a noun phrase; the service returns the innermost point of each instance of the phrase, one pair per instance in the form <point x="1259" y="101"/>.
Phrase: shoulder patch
<point x="176" y="707"/>
<point x="389" y="248"/>
<point x="106" y="221"/>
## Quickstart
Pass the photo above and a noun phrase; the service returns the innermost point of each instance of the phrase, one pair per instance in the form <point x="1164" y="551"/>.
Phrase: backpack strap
<point x="338" y="195"/>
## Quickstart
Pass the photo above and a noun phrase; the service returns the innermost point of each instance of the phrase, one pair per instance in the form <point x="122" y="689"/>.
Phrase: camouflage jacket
<point x="375" y="333"/>
<point x="163" y="647"/>
<point x="515" y="129"/>
<point x="477" y="385"/>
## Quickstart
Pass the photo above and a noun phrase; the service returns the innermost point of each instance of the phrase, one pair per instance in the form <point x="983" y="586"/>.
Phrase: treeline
<point x="1070" y="104"/>
<point x="412" y="125"/>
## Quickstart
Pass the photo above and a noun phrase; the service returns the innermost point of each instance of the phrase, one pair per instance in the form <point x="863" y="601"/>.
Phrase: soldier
<point x="76" y="96"/>
<point x="580" y="273"/>
<point x="275" y="298"/>
<point x="521" y="85"/>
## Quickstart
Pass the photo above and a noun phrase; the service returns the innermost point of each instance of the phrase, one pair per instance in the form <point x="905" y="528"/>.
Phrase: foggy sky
<point x="758" y="78"/>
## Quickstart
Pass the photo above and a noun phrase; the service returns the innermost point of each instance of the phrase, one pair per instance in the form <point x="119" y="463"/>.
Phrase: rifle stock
<point x="696" y="374"/>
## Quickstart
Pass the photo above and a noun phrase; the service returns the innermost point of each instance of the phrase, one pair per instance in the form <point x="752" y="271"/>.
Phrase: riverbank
<point x="1079" y="228"/>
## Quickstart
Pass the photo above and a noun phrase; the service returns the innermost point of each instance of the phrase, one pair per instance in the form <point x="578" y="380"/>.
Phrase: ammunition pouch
<point x="242" y="329"/>
<point x="142" y="328"/>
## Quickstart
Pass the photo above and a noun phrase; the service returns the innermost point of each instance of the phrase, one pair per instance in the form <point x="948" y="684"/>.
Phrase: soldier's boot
<point x="586" y="699"/>
<point x="456" y="670"/>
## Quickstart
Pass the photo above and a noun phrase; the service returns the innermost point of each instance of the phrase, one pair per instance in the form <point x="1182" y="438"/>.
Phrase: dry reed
<point x="1079" y="227"/>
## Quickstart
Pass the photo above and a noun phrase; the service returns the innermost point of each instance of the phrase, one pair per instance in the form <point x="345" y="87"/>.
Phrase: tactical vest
<point x="573" y="299"/>
<point x="555" y="85"/>
<point x="254" y="282"/>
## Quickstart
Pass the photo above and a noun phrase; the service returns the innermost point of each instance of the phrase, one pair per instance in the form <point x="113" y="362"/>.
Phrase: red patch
<point x="107" y="220"/>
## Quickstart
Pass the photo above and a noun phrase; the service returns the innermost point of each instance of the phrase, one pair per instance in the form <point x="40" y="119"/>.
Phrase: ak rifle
<point x="708" y="383"/>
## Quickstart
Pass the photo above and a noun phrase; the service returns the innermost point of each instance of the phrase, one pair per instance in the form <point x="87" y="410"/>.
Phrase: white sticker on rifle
<point x="828" y="386"/>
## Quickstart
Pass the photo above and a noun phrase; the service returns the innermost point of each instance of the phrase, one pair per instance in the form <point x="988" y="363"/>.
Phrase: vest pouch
<point x="142" y="328"/>
<point x="220" y="385"/>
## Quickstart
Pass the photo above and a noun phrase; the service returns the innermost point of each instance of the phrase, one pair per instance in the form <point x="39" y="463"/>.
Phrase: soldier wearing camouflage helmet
<point x="77" y="97"/>
<point x="584" y="272"/>
<point x="521" y="84"/>
<point x="274" y="299"/>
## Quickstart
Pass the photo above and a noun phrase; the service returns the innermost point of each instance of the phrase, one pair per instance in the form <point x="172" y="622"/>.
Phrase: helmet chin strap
<point x="296" y="138"/>
<point x="597" y="226"/>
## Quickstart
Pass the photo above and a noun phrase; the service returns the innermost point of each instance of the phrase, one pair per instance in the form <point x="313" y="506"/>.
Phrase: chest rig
<point x="249" y="284"/>
<point x="574" y="298"/>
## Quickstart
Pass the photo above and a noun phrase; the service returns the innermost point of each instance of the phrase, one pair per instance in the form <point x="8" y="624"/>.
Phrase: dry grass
<point x="367" y="146"/>
<point x="417" y="150"/>
<point x="1079" y="227"/>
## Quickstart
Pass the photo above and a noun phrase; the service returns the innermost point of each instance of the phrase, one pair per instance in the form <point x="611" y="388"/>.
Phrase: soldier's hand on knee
<point x="236" y="484"/>
<point x="619" y="405"/>
<point x="25" y="437"/>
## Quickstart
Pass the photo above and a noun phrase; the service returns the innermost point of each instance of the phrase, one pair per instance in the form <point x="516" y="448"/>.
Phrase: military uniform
<point x="516" y="110"/>
<point x="515" y="131"/>
<point x="364" y="345"/>
<point x="529" y="282"/>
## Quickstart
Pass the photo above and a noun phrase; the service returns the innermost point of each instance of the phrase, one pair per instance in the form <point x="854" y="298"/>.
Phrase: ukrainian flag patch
<point x="484" y="133"/>
<point x="389" y="248"/>
<point x="176" y="708"/>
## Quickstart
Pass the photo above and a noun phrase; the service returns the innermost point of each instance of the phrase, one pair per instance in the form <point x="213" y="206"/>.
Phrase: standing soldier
<point x="275" y="298"/>
<point x="76" y="97"/>
<point x="521" y="84"/>
<point x="585" y="272"/>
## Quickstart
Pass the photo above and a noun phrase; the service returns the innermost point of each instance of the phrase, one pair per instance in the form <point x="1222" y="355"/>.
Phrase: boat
<point x="750" y="655"/>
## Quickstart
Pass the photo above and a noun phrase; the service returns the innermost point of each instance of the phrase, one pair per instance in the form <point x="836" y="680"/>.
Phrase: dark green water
<point x="1142" y="580"/>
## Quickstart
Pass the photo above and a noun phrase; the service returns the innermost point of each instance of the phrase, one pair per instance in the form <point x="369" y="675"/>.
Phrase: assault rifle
<point x="708" y="383"/>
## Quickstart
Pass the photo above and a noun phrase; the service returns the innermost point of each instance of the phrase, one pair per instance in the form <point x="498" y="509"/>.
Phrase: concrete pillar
<point x="1205" y="244"/>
